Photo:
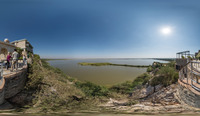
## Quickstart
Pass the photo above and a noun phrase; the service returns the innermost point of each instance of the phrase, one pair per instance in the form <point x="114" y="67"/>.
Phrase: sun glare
<point x="166" y="30"/>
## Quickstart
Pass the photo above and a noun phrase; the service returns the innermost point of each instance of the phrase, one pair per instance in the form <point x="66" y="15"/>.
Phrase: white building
<point x="23" y="44"/>
<point x="6" y="46"/>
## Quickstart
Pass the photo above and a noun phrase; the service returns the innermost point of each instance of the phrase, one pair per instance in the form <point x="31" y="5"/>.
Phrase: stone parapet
<point x="2" y="90"/>
<point x="12" y="84"/>
<point x="15" y="83"/>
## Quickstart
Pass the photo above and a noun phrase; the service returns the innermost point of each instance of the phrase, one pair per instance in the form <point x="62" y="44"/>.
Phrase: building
<point x="6" y="46"/>
<point x="23" y="44"/>
<point x="197" y="54"/>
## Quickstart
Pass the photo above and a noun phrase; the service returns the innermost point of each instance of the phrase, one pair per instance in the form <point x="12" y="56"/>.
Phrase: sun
<point x="166" y="30"/>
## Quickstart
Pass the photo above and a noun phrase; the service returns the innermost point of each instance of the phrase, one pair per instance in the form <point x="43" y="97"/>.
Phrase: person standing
<point x="8" y="60"/>
<point x="24" y="60"/>
<point x="15" y="60"/>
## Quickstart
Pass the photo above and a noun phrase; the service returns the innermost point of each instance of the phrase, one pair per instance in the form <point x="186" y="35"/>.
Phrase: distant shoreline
<point x="110" y="64"/>
<point x="163" y="59"/>
<point x="46" y="59"/>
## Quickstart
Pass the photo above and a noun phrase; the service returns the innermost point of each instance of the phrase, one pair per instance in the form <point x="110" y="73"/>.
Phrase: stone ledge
<point x="15" y="73"/>
<point x="12" y="84"/>
<point x="2" y="85"/>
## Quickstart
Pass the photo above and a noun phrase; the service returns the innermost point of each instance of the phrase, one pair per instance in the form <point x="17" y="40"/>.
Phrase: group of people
<point x="12" y="60"/>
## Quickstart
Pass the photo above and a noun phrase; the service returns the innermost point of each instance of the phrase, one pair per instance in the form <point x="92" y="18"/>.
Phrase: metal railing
<point x="190" y="74"/>
<point x="3" y="65"/>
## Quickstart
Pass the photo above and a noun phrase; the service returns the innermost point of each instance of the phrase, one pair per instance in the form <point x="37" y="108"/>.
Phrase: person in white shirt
<point x="14" y="60"/>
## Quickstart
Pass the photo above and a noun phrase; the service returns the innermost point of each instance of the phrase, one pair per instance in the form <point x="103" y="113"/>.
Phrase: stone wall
<point x="188" y="96"/>
<point x="15" y="83"/>
<point x="2" y="90"/>
<point x="12" y="84"/>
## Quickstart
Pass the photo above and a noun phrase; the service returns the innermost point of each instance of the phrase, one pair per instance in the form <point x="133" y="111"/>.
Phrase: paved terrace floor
<point x="9" y="72"/>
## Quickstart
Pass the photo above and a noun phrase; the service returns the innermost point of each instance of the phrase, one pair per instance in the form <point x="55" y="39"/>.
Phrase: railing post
<point x="191" y="73"/>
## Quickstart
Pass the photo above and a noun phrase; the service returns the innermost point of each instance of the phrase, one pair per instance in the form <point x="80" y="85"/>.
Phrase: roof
<point x="183" y="52"/>
<point x="21" y="40"/>
<point x="9" y="44"/>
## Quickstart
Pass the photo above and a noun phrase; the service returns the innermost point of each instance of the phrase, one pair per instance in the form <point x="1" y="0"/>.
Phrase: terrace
<point x="189" y="71"/>
<point x="5" y="72"/>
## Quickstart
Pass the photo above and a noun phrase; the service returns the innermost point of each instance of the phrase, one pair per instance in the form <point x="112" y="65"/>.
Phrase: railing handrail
<point x="192" y="71"/>
<point x="197" y="61"/>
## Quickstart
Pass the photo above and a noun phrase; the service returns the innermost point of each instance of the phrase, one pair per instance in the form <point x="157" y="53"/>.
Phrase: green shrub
<point x="167" y="76"/>
<point x="123" y="88"/>
<point x="141" y="80"/>
<point x="91" y="89"/>
<point x="157" y="65"/>
<point x="34" y="79"/>
<point x="128" y="86"/>
<point x="149" y="69"/>
<point x="171" y="64"/>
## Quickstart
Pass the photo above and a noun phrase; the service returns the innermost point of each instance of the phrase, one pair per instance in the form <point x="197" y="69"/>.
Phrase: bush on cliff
<point x="91" y="89"/>
<point x="149" y="69"/>
<point x="128" y="86"/>
<point x="52" y="90"/>
<point x="166" y="76"/>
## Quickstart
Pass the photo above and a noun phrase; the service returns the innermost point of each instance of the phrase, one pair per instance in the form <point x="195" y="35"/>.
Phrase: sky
<point x="103" y="28"/>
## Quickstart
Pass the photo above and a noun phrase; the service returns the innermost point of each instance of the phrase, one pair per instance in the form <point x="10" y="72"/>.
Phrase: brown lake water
<point x="103" y="75"/>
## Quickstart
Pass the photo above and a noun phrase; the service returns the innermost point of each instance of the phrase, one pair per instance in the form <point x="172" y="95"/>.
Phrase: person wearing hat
<point x="8" y="60"/>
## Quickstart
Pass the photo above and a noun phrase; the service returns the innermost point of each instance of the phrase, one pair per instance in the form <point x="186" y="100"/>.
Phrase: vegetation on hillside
<point x="159" y="73"/>
<point x="165" y="75"/>
<point x="51" y="90"/>
<point x="91" y="89"/>
<point x="128" y="86"/>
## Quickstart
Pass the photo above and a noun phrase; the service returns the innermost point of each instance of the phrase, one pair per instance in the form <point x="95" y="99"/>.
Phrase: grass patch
<point x="128" y="86"/>
<point x="91" y="89"/>
<point x="52" y="89"/>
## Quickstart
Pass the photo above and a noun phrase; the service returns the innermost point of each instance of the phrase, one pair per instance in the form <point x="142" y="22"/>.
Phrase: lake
<point x="103" y="75"/>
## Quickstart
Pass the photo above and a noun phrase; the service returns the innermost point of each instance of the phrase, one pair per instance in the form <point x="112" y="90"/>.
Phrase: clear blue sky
<point x="103" y="28"/>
